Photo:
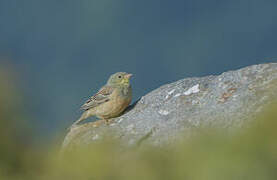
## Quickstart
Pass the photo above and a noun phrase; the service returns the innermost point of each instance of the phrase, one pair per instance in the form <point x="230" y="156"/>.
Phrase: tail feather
<point x="84" y="116"/>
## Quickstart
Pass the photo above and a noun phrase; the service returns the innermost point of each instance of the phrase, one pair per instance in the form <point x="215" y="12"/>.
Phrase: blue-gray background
<point x="64" y="50"/>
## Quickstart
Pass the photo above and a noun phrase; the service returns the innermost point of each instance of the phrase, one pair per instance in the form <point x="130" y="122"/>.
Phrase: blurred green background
<point x="54" y="54"/>
<point x="61" y="52"/>
<point x="212" y="154"/>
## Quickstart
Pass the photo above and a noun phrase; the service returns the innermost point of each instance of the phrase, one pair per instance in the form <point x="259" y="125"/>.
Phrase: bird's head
<point x="120" y="78"/>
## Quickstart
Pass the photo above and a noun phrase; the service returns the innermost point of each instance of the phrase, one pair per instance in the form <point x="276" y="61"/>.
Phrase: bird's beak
<point x="128" y="76"/>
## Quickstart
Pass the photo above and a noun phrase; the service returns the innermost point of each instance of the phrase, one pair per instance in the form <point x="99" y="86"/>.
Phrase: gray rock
<point x="175" y="110"/>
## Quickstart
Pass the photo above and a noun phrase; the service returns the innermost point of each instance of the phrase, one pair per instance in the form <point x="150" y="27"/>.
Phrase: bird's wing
<point x="100" y="97"/>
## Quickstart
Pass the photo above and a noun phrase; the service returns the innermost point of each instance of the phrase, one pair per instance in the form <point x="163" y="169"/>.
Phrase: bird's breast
<point x="119" y="101"/>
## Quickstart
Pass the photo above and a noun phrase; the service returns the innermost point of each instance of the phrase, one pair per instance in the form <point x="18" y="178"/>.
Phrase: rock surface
<point x="169" y="112"/>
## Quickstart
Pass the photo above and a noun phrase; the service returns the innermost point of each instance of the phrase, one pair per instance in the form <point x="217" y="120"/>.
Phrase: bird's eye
<point x="119" y="76"/>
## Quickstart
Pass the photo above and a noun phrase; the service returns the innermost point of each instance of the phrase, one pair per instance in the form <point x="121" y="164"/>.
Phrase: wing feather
<point x="100" y="97"/>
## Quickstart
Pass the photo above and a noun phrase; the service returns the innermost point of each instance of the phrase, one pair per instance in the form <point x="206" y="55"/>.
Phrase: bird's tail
<point x="84" y="116"/>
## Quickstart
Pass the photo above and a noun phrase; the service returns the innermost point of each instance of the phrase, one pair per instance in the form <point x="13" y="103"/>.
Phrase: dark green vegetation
<point x="212" y="154"/>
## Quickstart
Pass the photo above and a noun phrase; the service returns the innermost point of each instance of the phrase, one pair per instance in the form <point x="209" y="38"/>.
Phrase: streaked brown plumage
<point x="111" y="100"/>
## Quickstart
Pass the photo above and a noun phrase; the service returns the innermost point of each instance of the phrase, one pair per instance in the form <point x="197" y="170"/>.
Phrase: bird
<point x="111" y="100"/>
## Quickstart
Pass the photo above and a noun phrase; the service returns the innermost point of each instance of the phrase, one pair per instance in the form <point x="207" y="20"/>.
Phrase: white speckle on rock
<point x="163" y="112"/>
<point x="177" y="95"/>
<point x="192" y="90"/>
<point x="142" y="100"/>
<point x="95" y="137"/>
<point x="169" y="93"/>
<point x="119" y="121"/>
